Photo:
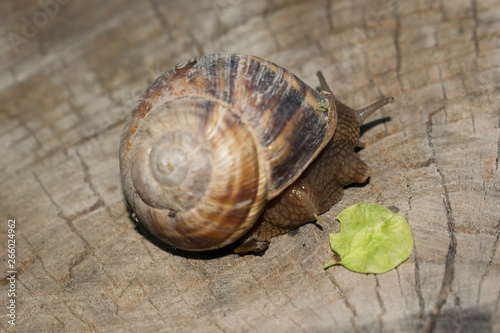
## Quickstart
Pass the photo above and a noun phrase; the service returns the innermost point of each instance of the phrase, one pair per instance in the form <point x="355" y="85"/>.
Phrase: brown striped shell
<point x="212" y="140"/>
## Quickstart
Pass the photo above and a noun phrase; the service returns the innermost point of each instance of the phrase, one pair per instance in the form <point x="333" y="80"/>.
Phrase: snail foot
<point x="252" y="245"/>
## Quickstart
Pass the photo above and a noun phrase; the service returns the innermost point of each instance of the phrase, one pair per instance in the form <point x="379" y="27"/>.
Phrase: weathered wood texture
<point x="70" y="72"/>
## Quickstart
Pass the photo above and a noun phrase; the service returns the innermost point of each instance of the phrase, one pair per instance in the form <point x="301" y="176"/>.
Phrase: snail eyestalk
<point x="324" y="86"/>
<point x="365" y="112"/>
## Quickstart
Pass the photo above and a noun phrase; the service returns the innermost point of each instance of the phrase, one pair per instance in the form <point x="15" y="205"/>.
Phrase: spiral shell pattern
<point x="212" y="140"/>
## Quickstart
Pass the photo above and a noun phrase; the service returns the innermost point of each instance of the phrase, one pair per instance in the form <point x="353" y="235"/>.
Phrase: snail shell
<point x="212" y="140"/>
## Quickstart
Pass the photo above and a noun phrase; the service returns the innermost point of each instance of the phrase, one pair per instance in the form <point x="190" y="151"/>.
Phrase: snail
<point x="233" y="149"/>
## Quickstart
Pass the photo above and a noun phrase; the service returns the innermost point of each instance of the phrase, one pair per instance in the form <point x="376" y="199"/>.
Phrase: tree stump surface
<point x="70" y="74"/>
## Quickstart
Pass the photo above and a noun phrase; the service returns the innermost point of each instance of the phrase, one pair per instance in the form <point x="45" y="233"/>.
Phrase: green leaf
<point x="372" y="239"/>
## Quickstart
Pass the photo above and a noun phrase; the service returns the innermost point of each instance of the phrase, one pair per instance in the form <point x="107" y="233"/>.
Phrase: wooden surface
<point x="69" y="75"/>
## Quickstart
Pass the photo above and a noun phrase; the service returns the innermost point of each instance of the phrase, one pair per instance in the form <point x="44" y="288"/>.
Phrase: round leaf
<point x="372" y="239"/>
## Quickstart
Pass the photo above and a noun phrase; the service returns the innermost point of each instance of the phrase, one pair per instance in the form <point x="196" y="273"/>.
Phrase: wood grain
<point x="70" y="73"/>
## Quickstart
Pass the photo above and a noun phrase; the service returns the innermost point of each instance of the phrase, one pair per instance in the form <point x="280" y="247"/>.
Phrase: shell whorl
<point x="171" y="163"/>
<point x="212" y="140"/>
<point x="185" y="164"/>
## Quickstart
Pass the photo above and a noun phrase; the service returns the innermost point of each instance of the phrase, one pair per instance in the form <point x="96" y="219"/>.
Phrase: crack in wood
<point x="109" y="277"/>
<point x="418" y="285"/>
<point x="379" y="296"/>
<point x="476" y="27"/>
<point x="490" y="261"/>
<point x="77" y="110"/>
<point x="443" y="12"/>
<point x="24" y="266"/>
<point x="497" y="307"/>
<point x="289" y="299"/>
<point x="30" y="292"/>
<point x="181" y="295"/>
<point x="160" y="18"/>
<point x="457" y="302"/>
<point x="51" y="153"/>
<point x="211" y="284"/>
<point x="328" y="13"/>
<point x="271" y="33"/>
<point x="69" y="222"/>
<point x="100" y="202"/>
<point x="353" y="324"/>
<point x="199" y="47"/>
<point x="48" y="312"/>
<point x="136" y="300"/>
<point x="257" y="281"/>
<point x="148" y="251"/>
<point x="150" y="301"/>
<point x="219" y="327"/>
<point x="122" y="292"/>
<point x="343" y="297"/>
<point x="497" y="160"/>
<point x="297" y="324"/>
<point x="401" y="288"/>
<point x="74" y="314"/>
<point x="380" y="303"/>
<point x="320" y="48"/>
<point x="397" y="32"/>
<point x="449" y="271"/>
<point x="30" y="131"/>
<point x="39" y="259"/>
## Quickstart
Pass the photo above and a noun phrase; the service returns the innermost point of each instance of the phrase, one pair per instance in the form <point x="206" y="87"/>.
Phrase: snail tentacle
<point x="364" y="113"/>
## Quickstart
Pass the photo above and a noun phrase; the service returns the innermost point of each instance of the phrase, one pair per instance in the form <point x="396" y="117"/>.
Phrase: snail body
<point x="230" y="148"/>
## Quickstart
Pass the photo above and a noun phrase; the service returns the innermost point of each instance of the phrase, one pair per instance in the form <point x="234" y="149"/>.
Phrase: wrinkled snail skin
<point x="322" y="183"/>
<point x="212" y="140"/>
